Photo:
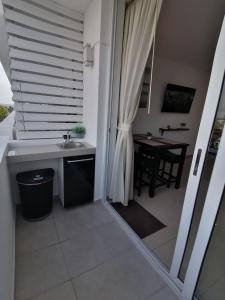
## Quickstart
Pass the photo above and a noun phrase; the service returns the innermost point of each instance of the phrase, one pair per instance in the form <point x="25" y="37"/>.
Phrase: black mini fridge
<point x="79" y="174"/>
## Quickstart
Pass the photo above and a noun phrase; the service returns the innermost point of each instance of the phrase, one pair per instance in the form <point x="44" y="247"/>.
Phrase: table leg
<point x="180" y="168"/>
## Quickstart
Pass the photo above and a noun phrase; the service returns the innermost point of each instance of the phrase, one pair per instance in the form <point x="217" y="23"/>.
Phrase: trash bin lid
<point x="35" y="176"/>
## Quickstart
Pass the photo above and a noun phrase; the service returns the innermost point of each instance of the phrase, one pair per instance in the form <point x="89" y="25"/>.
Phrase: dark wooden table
<point x="158" y="144"/>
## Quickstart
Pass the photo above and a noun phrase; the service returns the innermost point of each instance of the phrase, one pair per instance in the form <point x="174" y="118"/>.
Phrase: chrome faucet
<point x="67" y="137"/>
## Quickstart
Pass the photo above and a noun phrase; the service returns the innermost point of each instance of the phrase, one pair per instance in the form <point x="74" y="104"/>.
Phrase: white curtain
<point x="139" y="30"/>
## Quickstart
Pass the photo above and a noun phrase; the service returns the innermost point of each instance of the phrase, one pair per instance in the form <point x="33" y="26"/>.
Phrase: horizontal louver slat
<point x="37" y="47"/>
<point x="22" y="97"/>
<point x="45" y="108"/>
<point x="44" y="14"/>
<point x="44" y="126"/>
<point x="41" y="25"/>
<point x="27" y="77"/>
<point x="43" y="37"/>
<point x="45" y="59"/>
<point x="50" y="134"/>
<point x="31" y="67"/>
<point x="59" y="9"/>
<point x="44" y="89"/>
<point x="39" y="117"/>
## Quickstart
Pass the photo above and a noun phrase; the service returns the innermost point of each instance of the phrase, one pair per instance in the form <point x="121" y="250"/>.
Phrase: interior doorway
<point x="174" y="66"/>
<point x="168" y="204"/>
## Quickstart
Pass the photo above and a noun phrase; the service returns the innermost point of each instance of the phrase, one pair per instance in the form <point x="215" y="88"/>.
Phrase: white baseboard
<point x="150" y="257"/>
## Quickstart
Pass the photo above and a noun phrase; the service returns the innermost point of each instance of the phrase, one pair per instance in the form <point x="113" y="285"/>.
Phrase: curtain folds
<point x="139" y="30"/>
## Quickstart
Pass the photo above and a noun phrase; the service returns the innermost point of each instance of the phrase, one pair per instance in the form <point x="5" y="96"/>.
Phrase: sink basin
<point x="70" y="145"/>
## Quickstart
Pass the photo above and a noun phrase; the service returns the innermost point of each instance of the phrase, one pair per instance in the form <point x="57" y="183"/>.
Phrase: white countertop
<point x="45" y="151"/>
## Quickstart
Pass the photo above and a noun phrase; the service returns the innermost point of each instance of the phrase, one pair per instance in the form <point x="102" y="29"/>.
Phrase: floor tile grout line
<point x="36" y="250"/>
<point x="108" y="248"/>
<point x="101" y="264"/>
<point x="105" y="245"/>
<point x="49" y="289"/>
<point x="41" y="248"/>
<point x="75" y="290"/>
<point x="86" y="271"/>
<point x="54" y="286"/>
<point x="155" y="248"/>
<point x="64" y="261"/>
<point x="157" y="291"/>
<point x="71" y="278"/>
<point x="57" y="233"/>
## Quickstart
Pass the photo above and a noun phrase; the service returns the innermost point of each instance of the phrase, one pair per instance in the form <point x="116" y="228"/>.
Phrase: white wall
<point x="167" y="71"/>
<point x="7" y="229"/>
<point x="97" y="31"/>
<point x="92" y="26"/>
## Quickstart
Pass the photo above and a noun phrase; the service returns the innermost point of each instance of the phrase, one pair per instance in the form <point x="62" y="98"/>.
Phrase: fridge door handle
<point x="79" y="160"/>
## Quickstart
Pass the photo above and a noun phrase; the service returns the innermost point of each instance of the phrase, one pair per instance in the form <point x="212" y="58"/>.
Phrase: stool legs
<point x="139" y="180"/>
<point x="163" y="168"/>
<point x="152" y="183"/>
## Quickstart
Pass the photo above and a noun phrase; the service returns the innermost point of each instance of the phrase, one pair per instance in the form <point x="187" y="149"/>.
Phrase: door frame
<point x="117" y="40"/>
<point x="206" y="124"/>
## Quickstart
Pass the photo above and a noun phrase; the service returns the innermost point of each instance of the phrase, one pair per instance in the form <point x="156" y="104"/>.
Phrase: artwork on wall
<point x="178" y="99"/>
<point x="145" y="89"/>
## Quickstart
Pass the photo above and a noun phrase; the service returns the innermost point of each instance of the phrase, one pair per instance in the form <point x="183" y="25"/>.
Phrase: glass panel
<point x="205" y="179"/>
<point x="211" y="282"/>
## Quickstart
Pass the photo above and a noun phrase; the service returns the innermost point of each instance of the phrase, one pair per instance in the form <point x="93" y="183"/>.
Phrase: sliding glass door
<point x="209" y="162"/>
<point x="201" y="181"/>
<point x="205" y="274"/>
<point x="211" y="282"/>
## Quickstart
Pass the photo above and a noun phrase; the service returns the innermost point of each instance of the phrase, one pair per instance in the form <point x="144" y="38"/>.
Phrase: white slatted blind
<point x="46" y="55"/>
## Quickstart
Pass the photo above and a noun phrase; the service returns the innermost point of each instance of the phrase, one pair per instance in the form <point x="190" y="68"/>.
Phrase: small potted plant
<point x="79" y="131"/>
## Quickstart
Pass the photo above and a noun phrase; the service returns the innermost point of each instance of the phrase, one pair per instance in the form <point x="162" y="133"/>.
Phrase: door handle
<point x="197" y="162"/>
<point x="79" y="160"/>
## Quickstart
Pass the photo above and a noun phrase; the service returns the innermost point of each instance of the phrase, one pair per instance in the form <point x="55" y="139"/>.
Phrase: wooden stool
<point x="171" y="159"/>
<point x="145" y="160"/>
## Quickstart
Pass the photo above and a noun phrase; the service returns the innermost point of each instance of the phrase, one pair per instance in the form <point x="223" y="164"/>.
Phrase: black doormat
<point x="139" y="219"/>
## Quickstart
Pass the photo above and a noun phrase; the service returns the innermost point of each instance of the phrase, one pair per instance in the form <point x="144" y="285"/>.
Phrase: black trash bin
<point x="36" y="193"/>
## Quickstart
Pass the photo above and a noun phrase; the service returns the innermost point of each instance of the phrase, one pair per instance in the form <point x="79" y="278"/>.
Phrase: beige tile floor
<point x="166" y="206"/>
<point x="82" y="254"/>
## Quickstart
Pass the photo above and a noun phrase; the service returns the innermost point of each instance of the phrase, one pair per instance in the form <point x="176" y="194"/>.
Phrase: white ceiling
<point x="188" y="31"/>
<point x="78" y="5"/>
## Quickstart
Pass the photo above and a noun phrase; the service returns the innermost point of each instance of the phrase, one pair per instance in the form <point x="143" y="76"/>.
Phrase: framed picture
<point x="145" y="89"/>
